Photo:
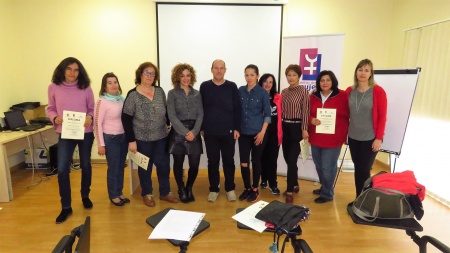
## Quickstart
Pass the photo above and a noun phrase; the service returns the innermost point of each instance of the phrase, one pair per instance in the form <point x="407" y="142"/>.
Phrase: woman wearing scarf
<point x="110" y="135"/>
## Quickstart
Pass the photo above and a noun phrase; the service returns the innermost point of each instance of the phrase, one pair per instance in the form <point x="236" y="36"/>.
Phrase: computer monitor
<point x="83" y="245"/>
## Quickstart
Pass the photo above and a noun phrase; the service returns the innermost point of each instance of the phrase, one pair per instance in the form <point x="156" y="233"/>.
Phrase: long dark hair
<point x="59" y="74"/>
<point x="263" y="78"/>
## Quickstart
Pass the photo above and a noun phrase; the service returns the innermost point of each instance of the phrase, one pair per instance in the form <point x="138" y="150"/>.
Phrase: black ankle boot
<point x="190" y="196"/>
<point x="183" y="195"/>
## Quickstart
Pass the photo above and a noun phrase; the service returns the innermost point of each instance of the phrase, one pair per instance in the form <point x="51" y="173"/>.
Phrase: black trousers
<point x="363" y="158"/>
<point x="216" y="145"/>
<point x="194" y="162"/>
<point x="269" y="160"/>
<point x="247" y="146"/>
<point x="292" y="135"/>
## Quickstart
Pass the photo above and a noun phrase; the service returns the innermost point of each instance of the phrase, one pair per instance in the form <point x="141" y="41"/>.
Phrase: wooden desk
<point x="14" y="142"/>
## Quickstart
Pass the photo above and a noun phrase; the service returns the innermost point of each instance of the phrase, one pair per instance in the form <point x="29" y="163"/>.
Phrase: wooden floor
<point x="27" y="224"/>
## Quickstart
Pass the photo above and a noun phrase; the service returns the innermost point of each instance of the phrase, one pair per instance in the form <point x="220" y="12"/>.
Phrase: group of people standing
<point x="256" y="115"/>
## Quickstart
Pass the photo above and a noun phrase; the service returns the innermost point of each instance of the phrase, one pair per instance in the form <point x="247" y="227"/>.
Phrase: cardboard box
<point x="34" y="113"/>
<point x="41" y="158"/>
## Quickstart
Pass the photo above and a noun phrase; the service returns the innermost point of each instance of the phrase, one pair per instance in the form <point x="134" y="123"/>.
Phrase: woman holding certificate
<point x="111" y="136"/>
<point x="327" y="131"/>
<point x="368" y="112"/>
<point x="185" y="110"/>
<point x="145" y="125"/>
<point x="70" y="91"/>
<point x="295" y="104"/>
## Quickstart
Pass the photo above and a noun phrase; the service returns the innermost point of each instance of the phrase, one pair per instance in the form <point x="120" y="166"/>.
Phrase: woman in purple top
<point x="70" y="91"/>
<point x="111" y="136"/>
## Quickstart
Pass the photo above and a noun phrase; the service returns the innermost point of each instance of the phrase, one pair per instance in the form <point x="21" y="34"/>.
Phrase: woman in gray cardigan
<point x="185" y="110"/>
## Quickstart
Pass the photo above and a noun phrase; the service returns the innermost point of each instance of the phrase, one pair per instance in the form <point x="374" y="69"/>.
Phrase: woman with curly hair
<point x="185" y="110"/>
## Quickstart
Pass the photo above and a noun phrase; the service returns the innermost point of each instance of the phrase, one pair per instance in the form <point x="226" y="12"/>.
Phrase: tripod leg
<point x="183" y="248"/>
<point x="340" y="166"/>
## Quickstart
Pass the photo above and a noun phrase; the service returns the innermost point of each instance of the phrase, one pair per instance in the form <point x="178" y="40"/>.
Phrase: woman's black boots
<point x="182" y="194"/>
<point x="190" y="196"/>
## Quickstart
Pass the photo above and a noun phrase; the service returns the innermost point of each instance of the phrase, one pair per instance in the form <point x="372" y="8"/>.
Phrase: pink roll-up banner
<point x="313" y="53"/>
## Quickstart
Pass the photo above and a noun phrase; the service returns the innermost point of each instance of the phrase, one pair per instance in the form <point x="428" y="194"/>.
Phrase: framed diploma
<point x="327" y="119"/>
<point x="73" y="125"/>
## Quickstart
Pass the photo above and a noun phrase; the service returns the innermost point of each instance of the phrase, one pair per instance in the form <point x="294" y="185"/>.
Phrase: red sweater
<point x="277" y="100"/>
<point x="337" y="100"/>
<point x="379" y="110"/>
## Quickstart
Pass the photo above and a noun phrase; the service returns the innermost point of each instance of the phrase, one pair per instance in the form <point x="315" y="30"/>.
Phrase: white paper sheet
<point x="247" y="216"/>
<point x="73" y="125"/>
<point x="140" y="159"/>
<point x="177" y="225"/>
<point x="304" y="148"/>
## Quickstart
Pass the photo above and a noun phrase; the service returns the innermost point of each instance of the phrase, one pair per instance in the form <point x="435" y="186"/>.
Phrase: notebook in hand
<point x="16" y="122"/>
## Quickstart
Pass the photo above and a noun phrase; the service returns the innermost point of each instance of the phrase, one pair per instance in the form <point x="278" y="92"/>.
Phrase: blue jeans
<point x="156" y="151"/>
<point x="66" y="147"/>
<point x="116" y="148"/>
<point x="325" y="160"/>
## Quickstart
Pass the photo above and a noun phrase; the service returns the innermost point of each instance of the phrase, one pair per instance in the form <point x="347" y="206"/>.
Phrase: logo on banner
<point x="310" y="62"/>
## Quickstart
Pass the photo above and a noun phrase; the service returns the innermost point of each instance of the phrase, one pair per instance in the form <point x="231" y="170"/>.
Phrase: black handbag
<point x="284" y="217"/>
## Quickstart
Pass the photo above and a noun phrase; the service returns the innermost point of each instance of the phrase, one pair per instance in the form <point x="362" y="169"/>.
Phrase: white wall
<point x="116" y="35"/>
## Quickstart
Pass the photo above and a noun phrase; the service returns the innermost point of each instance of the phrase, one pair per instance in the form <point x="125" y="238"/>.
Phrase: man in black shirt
<point x="221" y="127"/>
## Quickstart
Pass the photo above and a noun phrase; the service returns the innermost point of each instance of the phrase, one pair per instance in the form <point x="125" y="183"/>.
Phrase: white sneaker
<point x="212" y="197"/>
<point x="231" y="195"/>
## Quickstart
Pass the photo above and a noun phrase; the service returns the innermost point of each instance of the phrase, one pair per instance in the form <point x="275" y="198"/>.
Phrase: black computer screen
<point x="15" y="119"/>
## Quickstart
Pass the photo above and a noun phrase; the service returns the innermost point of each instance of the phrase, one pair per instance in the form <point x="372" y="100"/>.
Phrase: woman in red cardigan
<point x="274" y="133"/>
<point x="368" y="109"/>
<point x="326" y="146"/>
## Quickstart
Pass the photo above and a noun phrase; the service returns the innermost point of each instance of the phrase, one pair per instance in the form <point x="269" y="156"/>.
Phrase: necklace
<point x="362" y="98"/>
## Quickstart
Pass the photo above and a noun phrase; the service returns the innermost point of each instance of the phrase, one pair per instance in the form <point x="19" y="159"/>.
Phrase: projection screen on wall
<point x="200" y="33"/>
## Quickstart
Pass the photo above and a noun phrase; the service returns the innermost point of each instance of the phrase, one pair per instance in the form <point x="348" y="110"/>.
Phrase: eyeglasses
<point x="146" y="73"/>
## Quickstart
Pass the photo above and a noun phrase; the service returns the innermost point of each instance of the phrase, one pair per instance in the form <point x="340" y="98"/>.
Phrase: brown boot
<point x="296" y="190"/>
<point x="169" y="198"/>
<point x="289" y="198"/>
<point x="148" y="200"/>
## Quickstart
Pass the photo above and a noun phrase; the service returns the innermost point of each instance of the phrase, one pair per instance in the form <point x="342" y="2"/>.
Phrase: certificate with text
<point x="140" y="159"/>
<point x="304" y="148"/>
<point x="327" y="119"/>
<point x="73" y="125"/>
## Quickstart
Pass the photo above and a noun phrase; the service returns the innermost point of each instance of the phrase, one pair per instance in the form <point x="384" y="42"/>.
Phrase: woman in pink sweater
<point x="70" y="90"/>
<point x="111" y="136"/>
